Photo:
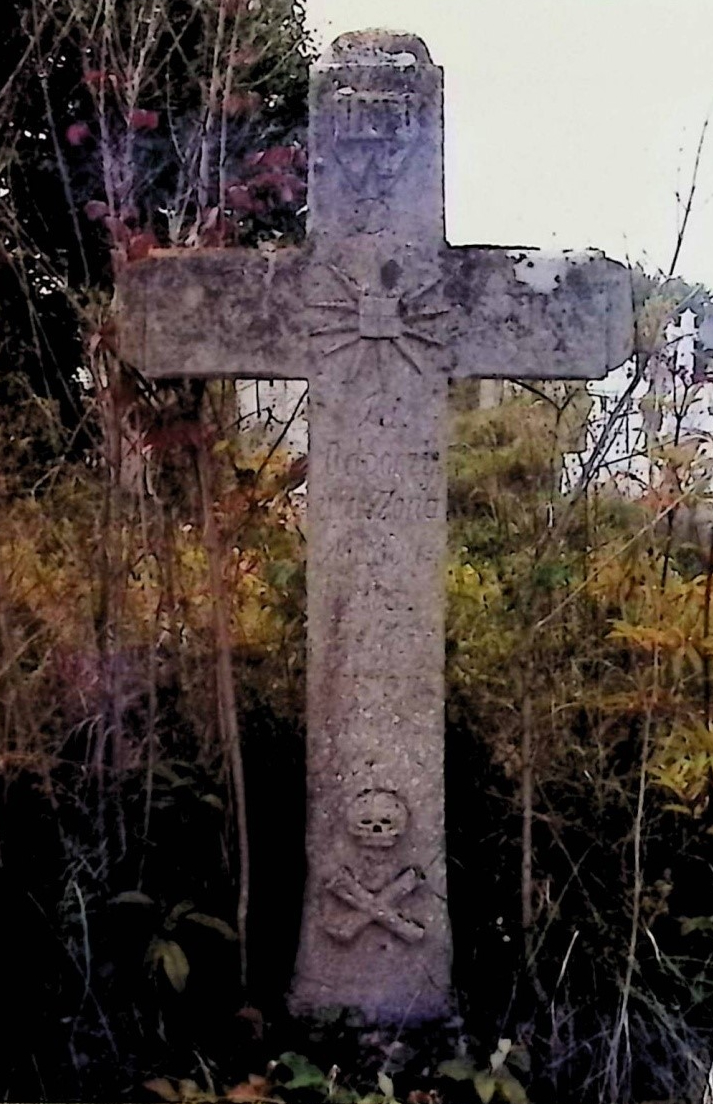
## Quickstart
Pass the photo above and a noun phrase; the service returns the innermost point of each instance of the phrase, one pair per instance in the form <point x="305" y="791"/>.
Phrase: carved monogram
<point x="375" y="134"/>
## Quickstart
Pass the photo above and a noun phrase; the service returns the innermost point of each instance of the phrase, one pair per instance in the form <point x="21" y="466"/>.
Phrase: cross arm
<point x="520" y="313"/>
<point x="215" y="312"/>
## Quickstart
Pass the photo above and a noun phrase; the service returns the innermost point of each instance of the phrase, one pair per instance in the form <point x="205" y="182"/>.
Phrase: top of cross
<point x="376" y="139"/>
<point x="377" y="47"/>
<point x="376" y="268"/>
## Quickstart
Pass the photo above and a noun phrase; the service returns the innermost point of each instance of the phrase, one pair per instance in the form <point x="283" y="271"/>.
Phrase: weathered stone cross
<point x="377" y="311"/>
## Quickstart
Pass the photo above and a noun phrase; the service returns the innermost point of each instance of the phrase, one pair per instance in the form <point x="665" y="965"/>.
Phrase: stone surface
<point x="376" y="312"/>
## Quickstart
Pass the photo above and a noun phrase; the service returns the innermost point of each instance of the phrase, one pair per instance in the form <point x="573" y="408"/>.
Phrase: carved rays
<point x="398" y="327"/>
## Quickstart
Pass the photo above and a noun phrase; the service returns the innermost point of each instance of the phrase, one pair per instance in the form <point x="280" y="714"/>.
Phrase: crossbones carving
<point x="378" y="907"/>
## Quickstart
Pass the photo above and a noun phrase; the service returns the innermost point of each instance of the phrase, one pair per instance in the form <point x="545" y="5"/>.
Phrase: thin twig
<point x="689" y="202"/>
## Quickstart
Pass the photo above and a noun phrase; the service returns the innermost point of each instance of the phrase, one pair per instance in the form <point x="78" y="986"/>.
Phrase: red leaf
<point x="290" y="188"/>
<point x="242" y="103"/>
<point x="283" y="186"/>
<point x="96" y="209"/>
<point x="107" y="336"/>
<point x="95" y="77"/>
<point x="142" y="119"/>
<point x="246" y="55"/>
<point x="279" y="157"/>
<point x="177" y="435"/>
<point x="77" y="133"/>
<point x="140" y="245"/>
<point x="240" y="199"/>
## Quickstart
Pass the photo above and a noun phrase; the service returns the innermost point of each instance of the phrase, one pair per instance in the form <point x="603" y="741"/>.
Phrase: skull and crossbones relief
<point x="377" y="818"/>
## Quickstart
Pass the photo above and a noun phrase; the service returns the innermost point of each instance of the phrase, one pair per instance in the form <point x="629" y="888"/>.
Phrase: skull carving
<point x="377" y="818"/>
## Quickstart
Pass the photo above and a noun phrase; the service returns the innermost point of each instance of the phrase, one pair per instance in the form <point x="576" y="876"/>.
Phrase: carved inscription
<point x="367" y="713"/>
<point x="382" y="552"/>
<point x="374" y="135"/>
<point x="374" y="907"/>
<point x="420" y="465"/>
<point x="407" y="489"/>
<point x="358" y="641"/>
<point x="390" y="506"/>
<point x="374" y="117"/>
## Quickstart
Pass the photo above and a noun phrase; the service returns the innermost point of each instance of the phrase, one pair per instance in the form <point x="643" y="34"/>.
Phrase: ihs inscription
<point x="374" y="136"/>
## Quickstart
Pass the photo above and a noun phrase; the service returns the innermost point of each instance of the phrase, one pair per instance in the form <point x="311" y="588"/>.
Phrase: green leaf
<point x="458" y="1069"/>
<point x="304" y="1074"/>
<point x="485" y="1085"/>
<point x="385" y="1084"/>
<point x="509" y="1087"/>
<point x="132" y="897"/>
<point x="696" y="923"/>
<point x="213" y="922"/>
<point x="162" y="770"/>
<point x="174" y="961"/>
<point x="214" y="801"/>
<point x="176" y="913"/>
<point x="550" y="576"/>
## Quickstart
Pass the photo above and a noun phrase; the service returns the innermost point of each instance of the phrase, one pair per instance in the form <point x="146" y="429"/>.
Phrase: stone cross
<point x="376" y="312"/>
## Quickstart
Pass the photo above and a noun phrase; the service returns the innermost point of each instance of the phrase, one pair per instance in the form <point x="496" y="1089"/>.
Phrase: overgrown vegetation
<point x="152" y="647"/>
<point x="579" y="694"/>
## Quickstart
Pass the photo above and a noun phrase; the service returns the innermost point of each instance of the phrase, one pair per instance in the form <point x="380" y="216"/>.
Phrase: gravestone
<point x="376" y="312"/>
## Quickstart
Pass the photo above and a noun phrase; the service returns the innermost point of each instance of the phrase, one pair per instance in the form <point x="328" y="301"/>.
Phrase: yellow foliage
<point x="63" y="574"/>
<point x="683" y="764"/>
<point x="659" y="613"/>
<point x="662" y="621"/>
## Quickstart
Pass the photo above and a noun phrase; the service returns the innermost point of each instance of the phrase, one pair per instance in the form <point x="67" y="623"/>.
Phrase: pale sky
<point x="569" y="123"/>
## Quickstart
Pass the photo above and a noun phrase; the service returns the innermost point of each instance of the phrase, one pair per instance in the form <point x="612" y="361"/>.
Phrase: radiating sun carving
<point x="369" y="317"/>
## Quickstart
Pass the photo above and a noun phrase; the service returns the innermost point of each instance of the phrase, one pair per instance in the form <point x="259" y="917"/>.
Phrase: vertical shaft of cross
<point x="377" y="523"/>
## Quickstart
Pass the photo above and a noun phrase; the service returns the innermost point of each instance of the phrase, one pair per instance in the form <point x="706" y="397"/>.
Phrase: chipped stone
<point x="543" y="271"/>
